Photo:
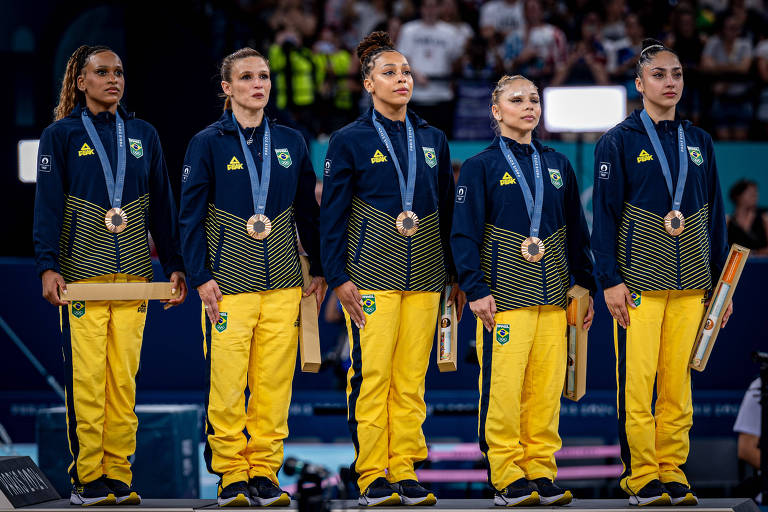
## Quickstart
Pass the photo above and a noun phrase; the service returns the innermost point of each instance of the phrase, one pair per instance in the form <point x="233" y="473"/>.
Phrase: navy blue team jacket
<point x="361" y="201"/>
<point x="71" y="201"/>
<point x="491" y="221"/>
<point x="216" y="203"/>
<point x="631" y="199"/>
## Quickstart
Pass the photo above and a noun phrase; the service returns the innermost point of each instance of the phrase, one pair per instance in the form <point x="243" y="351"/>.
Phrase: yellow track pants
<point x="656" y="346"/>
<point x="385" y="384"/>
<point x="522" y="370"/>
<point x="102" y="344"/>
<point x="253" y="345"/>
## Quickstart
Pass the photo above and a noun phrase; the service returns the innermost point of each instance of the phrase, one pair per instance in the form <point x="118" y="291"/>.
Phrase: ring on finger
<point x="206" y="306"/>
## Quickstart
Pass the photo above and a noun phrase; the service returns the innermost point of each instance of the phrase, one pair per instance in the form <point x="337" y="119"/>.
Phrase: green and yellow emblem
<point x="221" y="325"/>
<point x="369" y="303"/>
<point x="137" y="149"/>
<point x="502" y="333"/>
<point x="429" y="156"/>
<point x="284" y="157"/>
<point x="555" y="178"/>
<point x="636" y="298"/>
<point x="78" y="308"/>
<point x="696" y="156"/>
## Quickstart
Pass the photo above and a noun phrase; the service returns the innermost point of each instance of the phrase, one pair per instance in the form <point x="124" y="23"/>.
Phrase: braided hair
<point x="70" y="95"/>
<point x="651" y="48"/>
<point x="373" y="45"/>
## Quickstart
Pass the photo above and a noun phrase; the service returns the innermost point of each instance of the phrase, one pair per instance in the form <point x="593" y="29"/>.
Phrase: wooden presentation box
<point x="309" y="335"/>
<point x="576" y="372"/>
<point x="447" y="334"/>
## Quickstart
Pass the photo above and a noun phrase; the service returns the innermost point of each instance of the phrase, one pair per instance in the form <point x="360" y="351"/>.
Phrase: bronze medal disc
<point x="116" y="220"/>
<point x="259" y="226"/>
<point x="532" y="249"/>
<point x="674" y="222"/>
<point x="407" y="223"/>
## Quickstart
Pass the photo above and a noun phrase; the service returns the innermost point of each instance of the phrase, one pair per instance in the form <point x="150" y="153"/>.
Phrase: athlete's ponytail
<point x="70" y="95"/>
<point x="373" y="45"/>
<point x="226" y="68"/>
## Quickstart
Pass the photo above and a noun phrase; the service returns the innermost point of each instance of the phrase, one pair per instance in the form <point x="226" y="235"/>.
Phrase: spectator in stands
<point x="503" y="16"/>
<point x="333" y="67"/>
<point x="295" y="15"/>
<point x="451" y="15"/>
<point x="622" y="55"/>
<point x="689" y="45"/>
<point x="729" y="53"/>
<point x="432" y="49"/>
<point x="614" y="28"/>
<point x="537" y="50"/>
<point x="761" y="54"/>
<point x="748" y="426"/>
<point x="586" y="58"/>
<point x="748" y="225"/>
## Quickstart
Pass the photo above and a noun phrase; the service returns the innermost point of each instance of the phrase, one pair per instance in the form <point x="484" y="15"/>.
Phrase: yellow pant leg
<point x="503" y="356"/>
<point x="84" y="328"/>
<point x="126" y="330"/>
<point x="542" y="388"/>
<point x="227" y="349"/>
<point x="674" y="402"/>
<point x="637" y="356"/>
<point x="270" y="375"/>
<point x="406" y="408"/>
<point x="368" y="382"/>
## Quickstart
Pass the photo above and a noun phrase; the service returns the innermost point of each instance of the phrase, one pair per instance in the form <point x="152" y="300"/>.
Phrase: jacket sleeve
<point x="718" y="232"/>
<point x="446" y="189"/>
<point x="335" y="206"/>
<point x="607" y="205"/>
<point x="308" y="212"/>
<point x="49" y="200"/>
<point x="468" y="227"/>
<point x="579" y="254"/>
<point x="162" y="212"/>
<point x="196" y="181"/>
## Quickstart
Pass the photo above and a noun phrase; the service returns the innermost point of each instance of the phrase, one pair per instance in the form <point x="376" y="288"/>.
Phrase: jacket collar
<point x="107" y="116"/>
<point x="516" y="147"/>
<point x="634" y="122"/>
<point x="388" y="124"/>
<point x="226" y="125"/>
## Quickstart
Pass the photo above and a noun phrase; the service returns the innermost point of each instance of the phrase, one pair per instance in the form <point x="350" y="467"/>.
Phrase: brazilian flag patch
<point x="369" y="303"/>
<point x="137" y="149"/>
<point x="636" y="298"/>
<point x="555" y="178"/>
<point x="429" y="156"/>
<point x="221" y="325"/>
<point x="78" y="308"/>
<point x="284" y="157"/>
<point x="696" y="156"/>
<point x="502" y="333"/>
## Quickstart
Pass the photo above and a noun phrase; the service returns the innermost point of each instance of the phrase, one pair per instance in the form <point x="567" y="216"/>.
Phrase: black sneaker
<point x="265" y="493"/>
<point x="681" y="494"/>
<point x="124" y="495"/>
<point x="412" y="493"/>
<point x="653" y="493"/>
<point x="234" y="495"/>
<point x="92" y="493"/>
<point x="551" y="494"/>
<point x="380" y="492"/>
<point x="519" y="493"/>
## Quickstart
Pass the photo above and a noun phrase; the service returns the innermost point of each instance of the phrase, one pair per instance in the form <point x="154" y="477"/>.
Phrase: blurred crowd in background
<point x="458" y="48"/>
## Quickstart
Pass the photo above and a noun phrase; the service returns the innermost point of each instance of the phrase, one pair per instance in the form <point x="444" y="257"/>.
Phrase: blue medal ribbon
<point x="534" y="207"/>
<point x="259" y="190"/>
<point x="677" y="193"/>
<point x="116" y="183"/>
<point x="406" y="190"/>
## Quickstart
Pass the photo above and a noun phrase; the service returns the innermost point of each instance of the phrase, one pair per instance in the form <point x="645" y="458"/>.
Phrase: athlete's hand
<point x="211" y="295"/>
<point x="590" y="314"/>
<point x="616" y="298"/>
<point x="178" y="282"/>
<point x="318" y="286"/>
<point x="728" y="313"/>
<point x="484" y="309"/>
<point x="458" y="297"/>
<point x="52" y="281"/>
<point x="352" y="301"/>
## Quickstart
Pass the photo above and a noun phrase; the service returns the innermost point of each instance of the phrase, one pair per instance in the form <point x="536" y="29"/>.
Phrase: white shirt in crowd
<point x="748" y="419"/>
<point x="503" y="15"/>
<point x="431" y="51"/>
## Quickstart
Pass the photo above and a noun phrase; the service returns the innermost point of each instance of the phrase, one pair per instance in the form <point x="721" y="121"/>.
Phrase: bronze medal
<point x="407" y="223"/>
<point x="116" y="220"/>
<point x="259" y="226"/>
<point x="674" y="222"/>
<point x="532" y="249"/>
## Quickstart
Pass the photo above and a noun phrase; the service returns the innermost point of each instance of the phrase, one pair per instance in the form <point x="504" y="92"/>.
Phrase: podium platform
<point x="705" y="505"/>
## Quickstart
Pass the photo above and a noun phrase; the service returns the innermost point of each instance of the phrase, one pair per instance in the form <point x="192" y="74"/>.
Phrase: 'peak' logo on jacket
<point x="85" y="150"/>
<point x="234" y="164"/>
<point x="378" y="157"/>
<point x="644" y="156"/>
<point x="507" y="179"/>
